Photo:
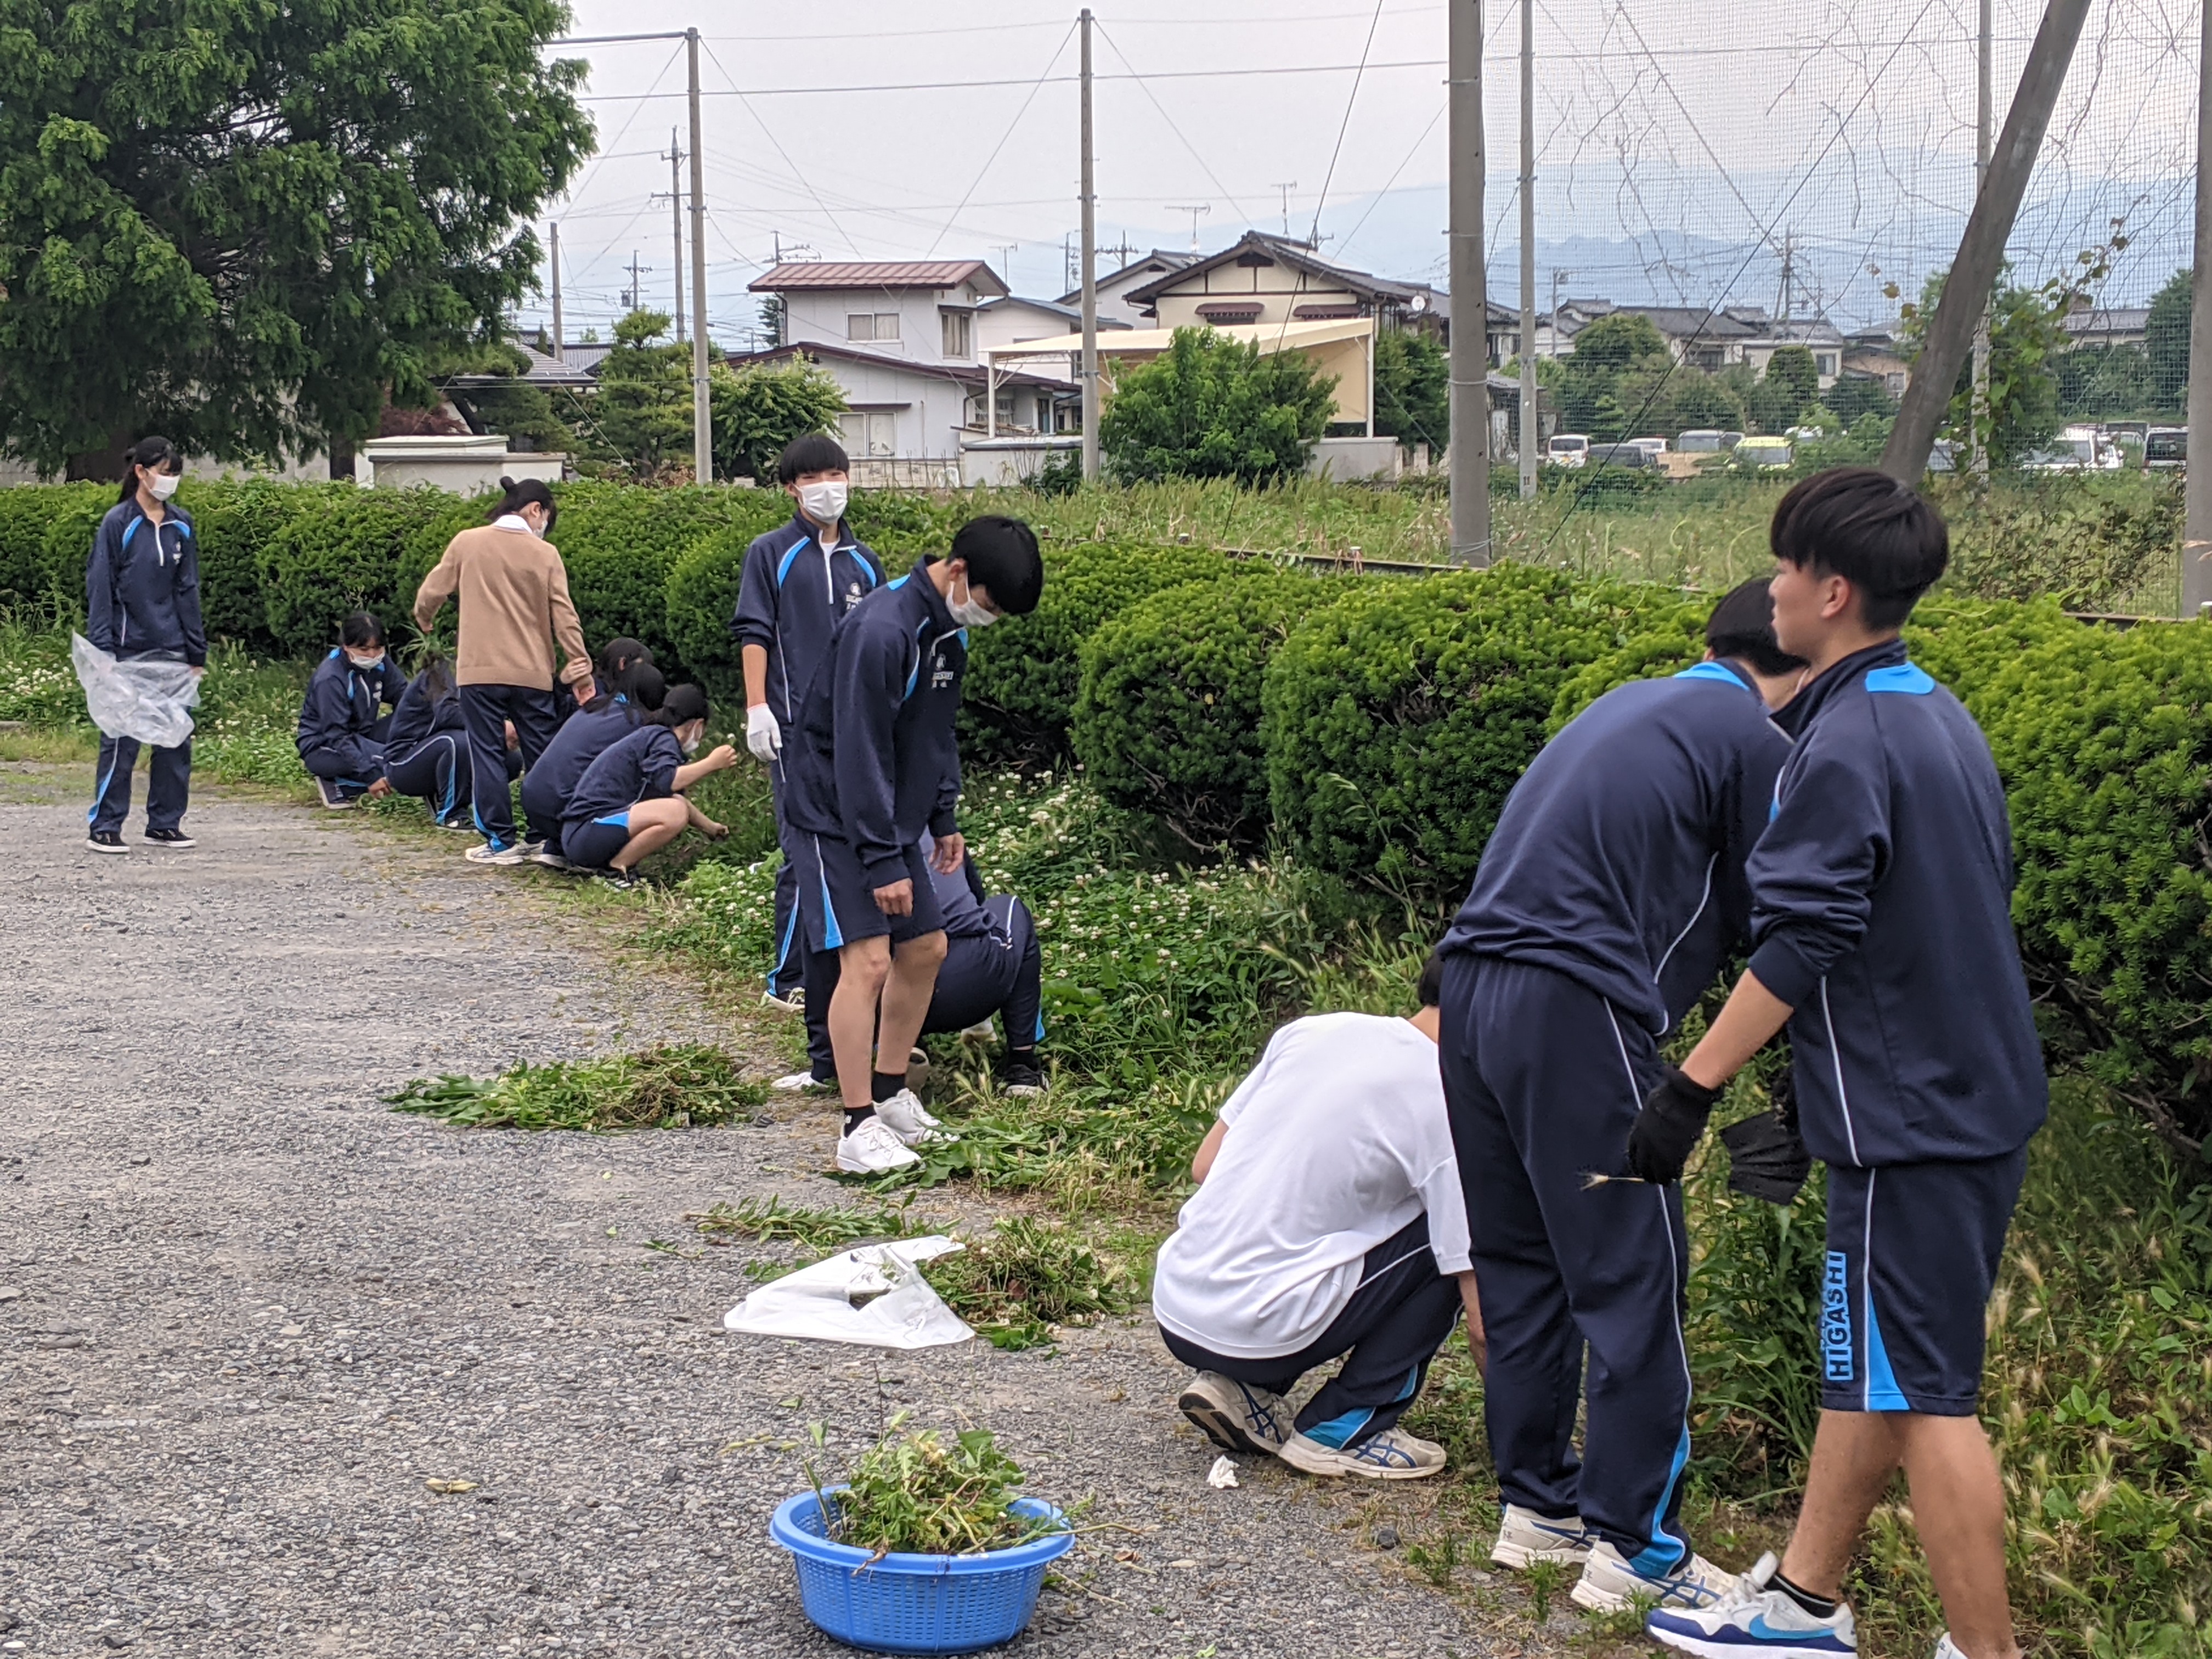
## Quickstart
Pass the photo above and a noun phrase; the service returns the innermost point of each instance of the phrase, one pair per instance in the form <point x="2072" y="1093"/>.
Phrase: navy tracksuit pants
<point x="789" y="972"/>
<point x="1002" y="972"/>
<point x="352" y="762"/>
<point x="168" y="785"/>
<point x="485" y="710"/>
<point x="437" y="770"/>
<point x="1542" y="1078"/>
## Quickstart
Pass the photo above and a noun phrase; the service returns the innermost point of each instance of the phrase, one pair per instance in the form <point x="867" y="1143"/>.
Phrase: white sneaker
<point x="800" y="1083"/>
<point x="1524" y="1536"/>
<point x="1609" y="1585"/>
<point x="551" y="860"/>
<point x="1236" y="1416"/>
<point x="1946" y="1648"/>
<point x="909" y="1120"/>
<point x="1389" y="1456"/>
<point x="485" y="853"/>
<point x="792" y="1001"/>
<point x="872" y="1149"/>
<point x="1764" y="1621"/>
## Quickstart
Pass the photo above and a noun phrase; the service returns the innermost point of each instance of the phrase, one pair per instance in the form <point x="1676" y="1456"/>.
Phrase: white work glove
<point x="762" y="735"/>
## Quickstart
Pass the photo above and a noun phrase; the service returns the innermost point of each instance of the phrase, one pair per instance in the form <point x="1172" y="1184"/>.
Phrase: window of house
<point x="872" y="325"/>
<point x="869" y="432"/>
<point x="1826" y="362"/>
<point x="958" y="330"/>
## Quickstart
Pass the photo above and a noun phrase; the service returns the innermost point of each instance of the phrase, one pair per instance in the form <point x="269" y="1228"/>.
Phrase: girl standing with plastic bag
<point x="142" y="600"/>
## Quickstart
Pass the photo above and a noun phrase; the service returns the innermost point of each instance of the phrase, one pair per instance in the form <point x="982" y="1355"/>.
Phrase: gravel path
<point x="246" y="1312"/>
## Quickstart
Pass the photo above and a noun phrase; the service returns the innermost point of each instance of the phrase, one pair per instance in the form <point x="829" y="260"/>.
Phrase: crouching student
<point x="631" y="801"/>
<point x="426" y="747"/>
<point x="1328" y="1223"/>
<point x="993" y="969"/>
<point x="630" y="688"/>
<point x="342" y="736"/>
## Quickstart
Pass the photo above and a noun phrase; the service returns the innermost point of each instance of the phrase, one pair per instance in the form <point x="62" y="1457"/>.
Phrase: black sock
<point x="882" y="1085"/>
<point x="1818" y="1606"/>
<point x="853" y="1119"/>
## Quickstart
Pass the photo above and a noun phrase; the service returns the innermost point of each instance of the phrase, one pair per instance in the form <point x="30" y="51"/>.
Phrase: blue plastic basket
<point x="915" y="1603"/>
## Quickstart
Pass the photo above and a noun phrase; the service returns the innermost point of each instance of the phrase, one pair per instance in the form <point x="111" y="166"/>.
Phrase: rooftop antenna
<point x="1286" y="190"/>
<point x="1196" y="212"/>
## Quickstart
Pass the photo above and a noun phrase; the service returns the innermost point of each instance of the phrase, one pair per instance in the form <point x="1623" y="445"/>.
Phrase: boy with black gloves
<point x="1608" y="900"/>
<point x="1883" y="939"/>
<point x="872" y="763"/>
<point x="797" y="582"/>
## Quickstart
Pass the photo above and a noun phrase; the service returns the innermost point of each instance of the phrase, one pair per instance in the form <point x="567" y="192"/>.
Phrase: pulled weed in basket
<point x="928" y="1492"/>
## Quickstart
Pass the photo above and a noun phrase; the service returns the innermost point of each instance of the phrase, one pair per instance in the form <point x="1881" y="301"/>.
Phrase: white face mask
<point x="971" y="612"/>
<point x="164" y="484"/>
<point x="823" y="502"/>
<point x="691" y="743"/>
<point x="366" y="663"/>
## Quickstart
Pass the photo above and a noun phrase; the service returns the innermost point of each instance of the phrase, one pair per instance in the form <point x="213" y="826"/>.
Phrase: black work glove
<point x="1765" y="1158"/>
<point x="1666" y="1131"/>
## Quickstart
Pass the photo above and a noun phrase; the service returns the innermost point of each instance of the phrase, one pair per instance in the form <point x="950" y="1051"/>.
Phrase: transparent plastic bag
<point x="148" y="698"/>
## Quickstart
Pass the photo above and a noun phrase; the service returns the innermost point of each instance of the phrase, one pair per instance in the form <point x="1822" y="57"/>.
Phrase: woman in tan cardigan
<point x="515" y="610"/>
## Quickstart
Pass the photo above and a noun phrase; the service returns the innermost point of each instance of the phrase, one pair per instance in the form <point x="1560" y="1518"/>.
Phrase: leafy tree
<point x="1790" y="386"/>
<point x="1616" y="340"/>
<point x="2166" y="343"/>
<point x="759" y="408"/>
<point x="2104" y="381"/>
<point x="244" y="226"/>
<point x="2027" y="333"/>
<point x="641" y="413"/>
<point x="1618" y="363"/>
<point x="1413" y="390"/>
<point x="1857" y="395"/>
<point x="1213" y="407"/>
<point x="771" y="322"/>
<point x="523" y="412"/>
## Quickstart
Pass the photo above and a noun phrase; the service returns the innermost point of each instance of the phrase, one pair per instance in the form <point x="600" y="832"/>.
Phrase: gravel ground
<point x="246" y="1312"/>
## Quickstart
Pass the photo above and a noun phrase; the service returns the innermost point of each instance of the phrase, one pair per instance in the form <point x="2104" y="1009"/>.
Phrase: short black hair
<point x="530" y="492"/>
<point x="361" y="629"/>
<point x="1880" y="535"/>
<point x="817" y="451"/>
<point x="1742" y="626"/>
<point x="1431" y="990"/>
<point x="683" y="704"/>
<point x="646" y="686"/>
<point x="1003" y="558"/>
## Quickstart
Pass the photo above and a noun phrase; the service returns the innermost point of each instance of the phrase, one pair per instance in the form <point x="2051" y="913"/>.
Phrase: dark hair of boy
<point x="1431" y="990"/>
<point x="158" y="453"/>
<point x="361" y="630"/>
<point x="1742" y="627"/>
<point x="515" y="496"/>
<point x="1003" y="560"/>
<point x="1879" y="535"/>
<point x="682" y="705"/>
<point x="817" y="451"/>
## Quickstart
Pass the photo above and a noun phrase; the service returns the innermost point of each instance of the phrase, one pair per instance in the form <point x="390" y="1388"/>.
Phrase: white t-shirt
<point x="1336" y="1140"/>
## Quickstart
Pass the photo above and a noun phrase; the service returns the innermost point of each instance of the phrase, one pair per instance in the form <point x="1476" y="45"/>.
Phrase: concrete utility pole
<point x="558" y="349"/>
<point x="676" y="218"/>
<point x="1981" y="247"/>
<point x="2197" y="479"/>
<point x="1470" y="337"/>
<point x="1089" y="374"/>
<point x="702" y="431"/>
<point x="1982" y="117"/>
<point x="1531" y="428"/>
<point x="634" y="295"/>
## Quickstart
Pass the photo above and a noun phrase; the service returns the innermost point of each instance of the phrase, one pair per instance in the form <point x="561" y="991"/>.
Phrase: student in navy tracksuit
<point x="630" y="688"/>
<point x="631" y="801"/>
<point x="1608" y="900"/>
<point x="797" y="582"/>
<point x="873" y="762"/>
<point x="1881" y="916"/>
<point x="992" y="966"/>
<point x="426" y="748"/>
<point x="142" y="598"/>
<point x="341" y="735"/>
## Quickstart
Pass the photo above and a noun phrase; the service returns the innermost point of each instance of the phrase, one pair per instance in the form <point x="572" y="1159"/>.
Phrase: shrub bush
<point x="621" y="545"/>
<point x="1167" y="713"/>
<point x="233" y="520"/>
<point x="359" y="549"/>
<point x="36" y="562"/>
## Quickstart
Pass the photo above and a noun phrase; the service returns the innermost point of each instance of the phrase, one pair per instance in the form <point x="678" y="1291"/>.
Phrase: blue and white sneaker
<point x="1609" y="1585"/>
<point x="1236" y="1416"/>
<point x="1524" y="1537"/>
<point x="1389" y="1456"/>
<point x="1763" y="1622"/>
<point x="1946" y="1648"/>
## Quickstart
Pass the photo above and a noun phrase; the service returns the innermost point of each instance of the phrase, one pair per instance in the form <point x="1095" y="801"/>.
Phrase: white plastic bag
<point x="148" y="698"/>
<point x="874" y="1295"/>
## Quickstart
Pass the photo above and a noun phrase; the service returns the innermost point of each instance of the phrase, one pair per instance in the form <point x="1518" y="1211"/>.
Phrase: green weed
<point x="926" y="1491"/>
<point x="1435" y="1563"/>
<point x="671" y="1087"/>
<point x="821" y="1231"/>
<point x="1544" y="1581"/>
<point x="1024" y="1276"/>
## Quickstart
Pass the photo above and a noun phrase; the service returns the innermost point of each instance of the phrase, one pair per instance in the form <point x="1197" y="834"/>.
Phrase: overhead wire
<point x="1115" y="47"/>
<point x="938" y="239"/>
<point x="1351" y="100"/>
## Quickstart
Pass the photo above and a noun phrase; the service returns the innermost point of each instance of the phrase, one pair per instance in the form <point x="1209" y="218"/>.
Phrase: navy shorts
<point x="593" y="844"/>
<point x="838" y="902"/>
<point x="1913" y="1252"/>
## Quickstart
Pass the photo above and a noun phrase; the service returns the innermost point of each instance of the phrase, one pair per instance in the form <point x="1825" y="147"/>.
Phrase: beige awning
<point x="1339" y="346"/>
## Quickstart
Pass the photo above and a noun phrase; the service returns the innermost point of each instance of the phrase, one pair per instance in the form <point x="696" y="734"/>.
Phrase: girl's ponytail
<point x="529" y="492"/>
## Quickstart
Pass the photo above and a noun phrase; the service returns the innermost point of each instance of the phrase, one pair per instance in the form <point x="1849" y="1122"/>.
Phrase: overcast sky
<point x="1672" y="156"/>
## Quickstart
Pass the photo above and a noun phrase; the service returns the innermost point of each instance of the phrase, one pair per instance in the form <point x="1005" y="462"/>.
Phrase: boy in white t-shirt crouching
<point x="1328" y="1221"/>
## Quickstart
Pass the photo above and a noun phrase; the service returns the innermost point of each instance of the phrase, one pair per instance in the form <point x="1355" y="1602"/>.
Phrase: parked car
<point x="2078" y="449"/>
<point x="2166" y="449"/>
<point x="1700" y="441"/>
<point x="1654" y="447"/>
<point x="1763" y="452"/>
<point x="1566" y="449"/>
<point x="1618" y="455"/>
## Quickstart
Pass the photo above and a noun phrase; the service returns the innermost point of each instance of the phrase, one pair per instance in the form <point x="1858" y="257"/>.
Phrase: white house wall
<point x="818" y="315"/>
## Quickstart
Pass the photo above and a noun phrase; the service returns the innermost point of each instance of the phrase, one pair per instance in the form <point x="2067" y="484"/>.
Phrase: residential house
<point x="1012" y="319"/>
<point x="2088" y="324"/>
<point x="1705" y="337"/>
<point x="1873" y="354"/>
<point x="1113" y="302"/>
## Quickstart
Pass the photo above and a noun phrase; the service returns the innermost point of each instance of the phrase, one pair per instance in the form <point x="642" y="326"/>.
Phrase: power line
<point x="1345" y="126"/>
<point x="1003" y="136"/>
<point x="1239" y="74"/>
<point x="1115" y="47"/>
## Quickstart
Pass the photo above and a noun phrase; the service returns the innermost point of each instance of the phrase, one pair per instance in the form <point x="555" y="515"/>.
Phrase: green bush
<point x="1399" y="718"/>
<point x="701" y="600"/>
<point x="356" y="550"/>
<point x="32" y="568"/>
<point x="621" y="545"/>
<point x="1167" y="714"/>
<point x="232" y="520"/>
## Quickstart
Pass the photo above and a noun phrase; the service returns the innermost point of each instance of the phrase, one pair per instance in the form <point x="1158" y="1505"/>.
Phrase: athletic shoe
<point x="551" y="860"/>
<point x="460" y="826"/>
<point x="1236" y="1416"/>
<point x="792" y="1001"/>
<point x="905" y="1116"/>
<point x="981" y="1031"/>
<point x="623" y="881"/>
<point x="504" y="856"/>
<point x="333" y="796"/>
<point x="1389" y="1456"/>
<point x="872" y="1149"/>
<point x="106" y="841"/>
<point x="1021" y="1077"/>
<point x="1946" y="1648"/>
<point x="1524" y="1537"/>
<point x="1763" y="1622"/>
<point x="1609" y="1585"/>
<point x="802" y="1083"/>
<point x="176" y="839"/>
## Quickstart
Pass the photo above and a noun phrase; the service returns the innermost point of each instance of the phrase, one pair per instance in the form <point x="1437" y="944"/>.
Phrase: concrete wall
<point x="1001" y="462"/>
<point x="1345" y="458"/>
<point x="466" y="466"/>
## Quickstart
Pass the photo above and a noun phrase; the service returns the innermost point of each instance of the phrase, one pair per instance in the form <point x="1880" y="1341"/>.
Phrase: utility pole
<point x="1558" y="276"/>
<point x="1979" y="417"/>
<point x="1788" y="252"/>
<point x="559" y="350"/>
<point x="633" y="296"/>
<point x="676" y="217"/>
<point x="1286" y="190"/>
<point x="1470" y="340"/>
<point x="1196" y="211"/>
<point x="1531" y="427"/>
<point x="2197" y="479"/>
<point x="1981" y="247"/>
<point x="702" y="431"/>
<point x="1089" y="374"/>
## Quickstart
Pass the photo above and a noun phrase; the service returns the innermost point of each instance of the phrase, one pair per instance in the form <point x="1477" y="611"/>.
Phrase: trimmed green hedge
<point x="1168" y="715"/>
<point x="360" y="549"/>
<point x="622" y="546"/>
<point x="45" y="538"/>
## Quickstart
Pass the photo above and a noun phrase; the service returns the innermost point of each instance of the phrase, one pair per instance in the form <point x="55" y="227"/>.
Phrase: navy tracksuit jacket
<point x="874" y="761"/>
<point x="792" y="594"/>
<point x="1608" y="900"/>
<point x="583" y="738"/>
<point x="426" y="749"/>
<point x="639" y="767"/>
<point x="142" y="598"/>
<point x="340" y="735"/>
<point x="1881" y="909"/>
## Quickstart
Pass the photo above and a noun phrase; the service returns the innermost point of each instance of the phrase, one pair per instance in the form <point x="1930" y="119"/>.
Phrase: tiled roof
<point x="875" y="273"/>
